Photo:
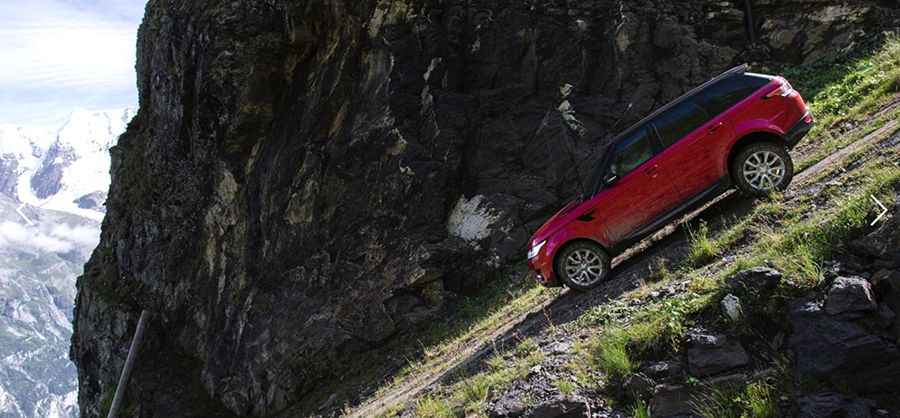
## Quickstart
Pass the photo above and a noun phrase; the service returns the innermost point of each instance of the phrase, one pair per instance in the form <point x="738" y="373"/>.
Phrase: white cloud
<point x="61" y="55"/>
<point x="59" y="239"/>
<point x="80" y="235"/>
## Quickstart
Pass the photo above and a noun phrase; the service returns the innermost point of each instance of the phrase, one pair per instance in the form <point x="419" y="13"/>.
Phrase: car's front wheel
<point x="582" y="265"/>
<point x="762" y="168"/>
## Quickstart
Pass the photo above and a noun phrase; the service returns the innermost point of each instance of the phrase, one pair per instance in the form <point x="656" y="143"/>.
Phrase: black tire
<point x="775" y="173"/>
<point x="583" y="276"/>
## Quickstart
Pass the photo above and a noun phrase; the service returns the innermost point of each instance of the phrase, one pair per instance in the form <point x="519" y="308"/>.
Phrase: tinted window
<point x="727" y="92"/>
<point x="632" y="152"/>
<point x="679" y="121"/>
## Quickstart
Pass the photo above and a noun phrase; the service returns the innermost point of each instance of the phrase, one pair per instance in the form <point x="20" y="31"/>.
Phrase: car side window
<point x="679" y="121"/>
<point x="727" y="92"/>
<point x="633" y="151"/>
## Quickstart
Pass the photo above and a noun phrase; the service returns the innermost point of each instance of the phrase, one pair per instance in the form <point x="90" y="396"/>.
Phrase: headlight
<point x="533" y="252"/>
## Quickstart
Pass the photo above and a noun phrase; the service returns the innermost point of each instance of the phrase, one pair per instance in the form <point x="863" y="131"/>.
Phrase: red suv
<point x="734" y="130"/>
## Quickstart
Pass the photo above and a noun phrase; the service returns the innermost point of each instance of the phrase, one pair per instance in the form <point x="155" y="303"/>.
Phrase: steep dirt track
<point x="669" y="245"/>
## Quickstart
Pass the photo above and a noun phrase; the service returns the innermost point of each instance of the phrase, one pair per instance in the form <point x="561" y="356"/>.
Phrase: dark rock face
<point x="833" y="405"/>
<point x="306" y="180"/>
<point x="833" y="349"/>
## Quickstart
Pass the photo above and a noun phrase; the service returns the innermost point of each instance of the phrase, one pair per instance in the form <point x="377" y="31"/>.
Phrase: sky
<point x="57" y="56"/>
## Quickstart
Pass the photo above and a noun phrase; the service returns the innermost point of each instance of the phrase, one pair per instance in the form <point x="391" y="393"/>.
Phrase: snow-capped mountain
<point x="67" y="170"/>
<point x="52" y="188"/>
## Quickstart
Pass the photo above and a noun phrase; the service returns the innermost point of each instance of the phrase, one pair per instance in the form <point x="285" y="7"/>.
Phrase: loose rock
<point x="710" y="354"/>
<point x="851" y="296"/>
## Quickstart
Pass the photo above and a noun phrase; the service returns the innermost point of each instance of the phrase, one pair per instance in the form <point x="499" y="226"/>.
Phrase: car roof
<point x="741" y="69"/>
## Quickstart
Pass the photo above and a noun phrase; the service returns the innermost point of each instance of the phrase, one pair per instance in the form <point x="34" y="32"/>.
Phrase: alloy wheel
<point x="764" y="170"/>
<point x="584" y="267"/>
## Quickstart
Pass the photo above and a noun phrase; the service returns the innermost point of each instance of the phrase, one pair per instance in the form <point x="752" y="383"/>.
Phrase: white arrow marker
<point x="22" y="214"/>
<point x="884" y="210"/>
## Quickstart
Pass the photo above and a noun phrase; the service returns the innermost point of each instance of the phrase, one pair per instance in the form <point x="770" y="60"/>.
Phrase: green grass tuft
<point x="565" y="386"/>
<point x="608" y="354"/>
<point x="433" y="407"/>
<point x="703" y="247"/>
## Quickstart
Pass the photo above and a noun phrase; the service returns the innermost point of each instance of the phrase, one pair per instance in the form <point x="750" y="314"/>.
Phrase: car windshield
<point x="593" y="183"/>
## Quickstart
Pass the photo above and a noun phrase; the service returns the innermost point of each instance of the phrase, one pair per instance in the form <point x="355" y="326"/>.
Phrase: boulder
<point x="850" y="296"/>
<point x="662" y="369"/>
<point x="508" y="406"/>
<point x="880" y="246"/>
<point x="671" y="401"/>
<point x="886" y="286"/>
<point x="885" y="317"/>
<point x="756" y="280"/>
<point x="837" y="350"/>
<point x="833" y="405"/>
<point x="710" y="354"/>
<point x="732" y="308"/>
<point x="559" y="408"/>
<point x="638" y="385"/>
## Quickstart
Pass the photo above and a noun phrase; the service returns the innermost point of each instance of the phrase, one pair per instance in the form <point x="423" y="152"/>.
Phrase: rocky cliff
<point x="305" y="180"/>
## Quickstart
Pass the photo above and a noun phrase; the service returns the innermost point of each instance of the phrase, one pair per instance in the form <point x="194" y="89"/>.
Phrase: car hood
<point x="560" y="219"/>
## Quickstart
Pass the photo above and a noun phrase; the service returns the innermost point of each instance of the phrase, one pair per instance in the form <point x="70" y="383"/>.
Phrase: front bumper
<point x="799" y="130"/>
<point x="543" y="271"/>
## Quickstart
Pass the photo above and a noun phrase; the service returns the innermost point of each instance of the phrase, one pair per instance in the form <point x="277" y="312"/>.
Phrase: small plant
<point x="525" y="347"/>
<point x="496" y="362"/>
<point x="660" y="272"/>
<point x="565" y="386"/>
<point x="475" y="392"/>
<point x="640" y="409"/>
<point x="759" y="401"/>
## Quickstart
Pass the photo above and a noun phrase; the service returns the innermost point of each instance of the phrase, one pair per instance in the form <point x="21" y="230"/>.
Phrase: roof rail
<point x="740" y="69"/>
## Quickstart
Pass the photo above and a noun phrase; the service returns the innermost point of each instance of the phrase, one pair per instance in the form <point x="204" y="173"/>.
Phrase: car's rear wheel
<point x="762" y="168"/>
<point x="582" y="265"/>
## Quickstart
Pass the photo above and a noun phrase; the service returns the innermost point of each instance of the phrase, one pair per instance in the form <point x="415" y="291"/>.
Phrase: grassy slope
<point x="842" y="95"/>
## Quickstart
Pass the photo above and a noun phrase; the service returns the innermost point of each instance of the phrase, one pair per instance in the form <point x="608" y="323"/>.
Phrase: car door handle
<point x="652" y="171"/>
<point x="714" y="128"/>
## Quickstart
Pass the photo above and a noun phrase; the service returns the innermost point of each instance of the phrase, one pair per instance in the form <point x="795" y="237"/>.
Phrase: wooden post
<point x="129" y="364"/>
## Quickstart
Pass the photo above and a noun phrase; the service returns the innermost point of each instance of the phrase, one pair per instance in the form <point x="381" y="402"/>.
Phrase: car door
<point x="689" y="157"/>
<point x="638" y="194"/>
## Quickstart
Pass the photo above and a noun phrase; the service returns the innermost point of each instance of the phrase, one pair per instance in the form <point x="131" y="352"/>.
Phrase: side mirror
<point x="610" y="178"/>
